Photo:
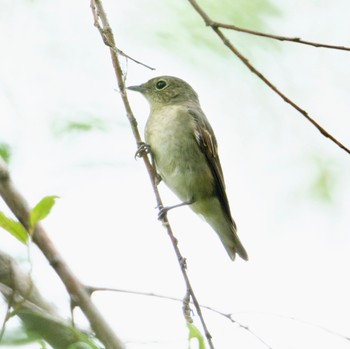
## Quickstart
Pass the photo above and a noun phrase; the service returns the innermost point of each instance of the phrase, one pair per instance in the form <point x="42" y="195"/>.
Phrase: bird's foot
<point x="143" y="148"/>
<point x="162" y="212"/>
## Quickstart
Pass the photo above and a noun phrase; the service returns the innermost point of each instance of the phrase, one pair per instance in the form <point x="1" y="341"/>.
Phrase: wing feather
<point x="206" y="140"/>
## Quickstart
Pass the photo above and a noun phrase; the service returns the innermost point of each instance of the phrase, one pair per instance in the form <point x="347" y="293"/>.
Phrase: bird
<point x="185" y="155"/>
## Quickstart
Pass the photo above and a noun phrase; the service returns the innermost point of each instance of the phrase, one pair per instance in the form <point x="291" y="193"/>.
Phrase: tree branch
<point x="210" y="23"/>
<point x="102" y="24"/>
<point x="175" y="299"/>
<point x="76" y="290"/>
<point x="278" y="37"/>
<point x="246" y="62"/>
<point x="134" y="60"/>
<point x="36" y="313"/>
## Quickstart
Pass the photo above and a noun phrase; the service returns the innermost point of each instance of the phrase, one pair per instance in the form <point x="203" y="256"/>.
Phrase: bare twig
<point x="76" y="290"/>
<point x="210" y="23"/>
<point x="229" y="316"/>
<point x="175" y="299"/>
<point x="273" y="36"/>
<point x="106" y="38"/>
<point x="323" y="328"/>
<point x="120" y="52"/>
<point x="246" y="62"/>
<point x="305" y="322"/>
<point x="102" y="24"/>
<point x="309" y="323"/>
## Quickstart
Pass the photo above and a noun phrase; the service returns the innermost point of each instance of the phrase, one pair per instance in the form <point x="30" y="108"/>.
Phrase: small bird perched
<point x="184" y="150"/>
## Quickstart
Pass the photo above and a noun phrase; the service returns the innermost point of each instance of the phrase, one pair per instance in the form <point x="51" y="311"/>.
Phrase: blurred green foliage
<point x="323" y="186"/>
<point x="87" y="124"/>
<point x="18" y="336"/>
<point x="248" y="13"/>
<point x="182" y="23"/>
<point x="22" y="336"/>
<point x="5" y="152"/>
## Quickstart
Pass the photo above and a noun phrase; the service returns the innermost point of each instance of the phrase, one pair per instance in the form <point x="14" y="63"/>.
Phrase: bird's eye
<point x="160" y="84"/>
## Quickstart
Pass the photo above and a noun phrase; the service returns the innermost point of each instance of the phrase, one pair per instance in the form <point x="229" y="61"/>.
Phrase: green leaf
<point x="194" y="332"/>
<point x="180" y="20"/>
<point x="88" y="124"/>
<point x="42" y="209"/>
<point x="324" y="180"/>
<point x="13" y="227"/>
<point x="80" y="126"/>
<point x="5" y="152"/>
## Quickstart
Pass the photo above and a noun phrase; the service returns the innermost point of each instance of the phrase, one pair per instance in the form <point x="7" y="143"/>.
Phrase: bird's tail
<point x="224" y="226"/>
<point x="232" y="243"/>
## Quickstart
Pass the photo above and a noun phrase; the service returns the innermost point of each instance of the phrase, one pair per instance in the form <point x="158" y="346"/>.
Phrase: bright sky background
<point x="55" y="68"/>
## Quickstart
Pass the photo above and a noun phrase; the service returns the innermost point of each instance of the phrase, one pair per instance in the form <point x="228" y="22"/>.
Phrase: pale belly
<point x="179" y="160"/>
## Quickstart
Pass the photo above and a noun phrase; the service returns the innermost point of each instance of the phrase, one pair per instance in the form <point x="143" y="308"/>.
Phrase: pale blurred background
<point x="64" y="127"/>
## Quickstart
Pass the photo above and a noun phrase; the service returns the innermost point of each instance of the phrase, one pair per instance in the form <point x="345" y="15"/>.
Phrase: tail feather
<point x="234" y="245"/>
<point x="224" y="226"/>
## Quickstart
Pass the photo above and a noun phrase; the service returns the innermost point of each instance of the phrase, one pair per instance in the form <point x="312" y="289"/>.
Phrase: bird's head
<point x="166" y="90"/>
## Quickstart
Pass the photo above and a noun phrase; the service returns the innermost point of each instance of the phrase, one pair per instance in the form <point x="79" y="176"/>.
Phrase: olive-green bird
<point x="184" y="150"/>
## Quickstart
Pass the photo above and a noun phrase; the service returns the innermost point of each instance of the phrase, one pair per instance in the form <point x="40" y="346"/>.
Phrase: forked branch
<point x="216" y="28"/>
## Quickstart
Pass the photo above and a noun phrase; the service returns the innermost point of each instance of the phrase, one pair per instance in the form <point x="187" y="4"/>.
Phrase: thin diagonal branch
<point x="210" y="23"/>
<point x="102" y="24"/>
<point x="262" y="77"/>
<point x="134" y="60"/>
<point x="294" y="39"/>
<point x="106" y="38"/>
<point x="305" y="322"/>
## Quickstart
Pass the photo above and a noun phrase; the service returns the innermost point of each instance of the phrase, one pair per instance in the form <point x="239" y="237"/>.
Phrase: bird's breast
<point x="178" y="157"/>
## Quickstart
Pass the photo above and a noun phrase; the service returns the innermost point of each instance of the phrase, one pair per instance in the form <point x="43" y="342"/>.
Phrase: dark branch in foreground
<point x="102" y="24"/>
<point x="19" y="207"/>
<point x="246" y="62"/>
<point x="36" y="313"/>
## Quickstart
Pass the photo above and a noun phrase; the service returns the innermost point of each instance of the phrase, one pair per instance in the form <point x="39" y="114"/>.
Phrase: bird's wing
<point x="206" y="140"/>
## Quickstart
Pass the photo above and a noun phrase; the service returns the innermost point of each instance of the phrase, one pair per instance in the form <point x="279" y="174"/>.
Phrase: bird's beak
<point x="139" y="88"/>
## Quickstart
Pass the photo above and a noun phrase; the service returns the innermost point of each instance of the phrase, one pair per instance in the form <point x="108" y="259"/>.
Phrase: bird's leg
<point x="164" y="210"/>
